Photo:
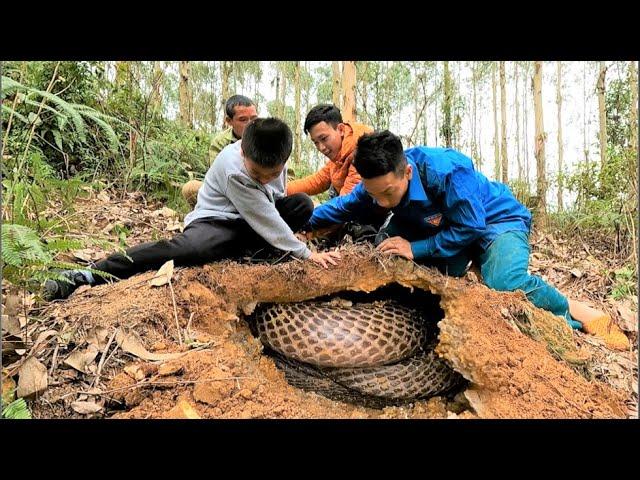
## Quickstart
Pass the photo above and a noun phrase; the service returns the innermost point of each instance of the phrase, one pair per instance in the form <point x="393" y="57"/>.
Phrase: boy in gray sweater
<point x="241" y="205"/>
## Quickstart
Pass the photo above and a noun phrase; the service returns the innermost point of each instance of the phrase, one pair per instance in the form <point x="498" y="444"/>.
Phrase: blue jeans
<point x="504" y="267"/>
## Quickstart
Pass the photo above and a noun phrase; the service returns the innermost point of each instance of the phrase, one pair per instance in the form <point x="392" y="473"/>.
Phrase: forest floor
<point x="128" y="350"/>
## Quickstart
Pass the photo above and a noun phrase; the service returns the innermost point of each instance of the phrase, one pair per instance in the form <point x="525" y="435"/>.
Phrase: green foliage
<point x="324" y="84"/>
<point x="55" y="120"/>
<point x="27" y="262"/>
<point x="625" y="283"/>
<point x="171" y="158"/>
<point x="17" y="410"/>
<point x="617" y="106"/>
<point x="522" y="192"/>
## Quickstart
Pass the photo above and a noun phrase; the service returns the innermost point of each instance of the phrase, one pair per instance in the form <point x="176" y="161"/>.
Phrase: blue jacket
<point x="448" y="206"/>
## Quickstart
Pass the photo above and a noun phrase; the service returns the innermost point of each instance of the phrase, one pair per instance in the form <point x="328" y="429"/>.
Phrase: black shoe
<point x="361" y="233"/>
<point x="57" y="289"/>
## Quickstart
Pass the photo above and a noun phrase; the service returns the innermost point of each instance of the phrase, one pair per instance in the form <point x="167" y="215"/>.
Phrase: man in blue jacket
<point x="444" y="214"/>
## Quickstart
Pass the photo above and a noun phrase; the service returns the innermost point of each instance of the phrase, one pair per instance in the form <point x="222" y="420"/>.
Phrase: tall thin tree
<point x="186" y="95"/>
<point x="503" y="122"/>
<point x="349" y="91"/>
<point x="516" y="101"/>
<point x="336" y="84"/>
<point x="560" y="145"/>
<point x="541" y="190"/>
<point x="633" y="112"/>
<point x="298" y="127"/>
<point x="602" y="136"/>
<point x="446" y="107"/>
<point x="496" y="142"/>
<point x="226" y="68"/>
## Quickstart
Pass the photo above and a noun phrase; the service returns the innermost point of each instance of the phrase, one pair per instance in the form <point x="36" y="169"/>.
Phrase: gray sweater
<point x="229" y="193"/>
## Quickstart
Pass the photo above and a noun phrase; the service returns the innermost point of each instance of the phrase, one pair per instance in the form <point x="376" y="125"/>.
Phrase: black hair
<point x="322" y="113"/>
<point x="236" y="101"/>
<point x="267" y="141"/>
<point x="379" y="153"/>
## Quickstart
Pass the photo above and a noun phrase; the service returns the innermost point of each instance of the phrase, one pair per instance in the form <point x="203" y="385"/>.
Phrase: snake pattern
<point x="375" y="354"/>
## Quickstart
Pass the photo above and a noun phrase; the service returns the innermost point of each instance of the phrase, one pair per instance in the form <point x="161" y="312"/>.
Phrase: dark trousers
<point x="204" y="240"/>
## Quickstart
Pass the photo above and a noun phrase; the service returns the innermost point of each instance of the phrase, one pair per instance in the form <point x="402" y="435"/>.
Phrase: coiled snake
<point x="375" y="354"/>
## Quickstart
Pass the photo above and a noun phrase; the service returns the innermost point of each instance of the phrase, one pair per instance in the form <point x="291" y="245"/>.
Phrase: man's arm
<point x="464" y="211"/>
<point x="262" y="215"/>
<point x="341" y="209"/>
<point x="312" y="184"/>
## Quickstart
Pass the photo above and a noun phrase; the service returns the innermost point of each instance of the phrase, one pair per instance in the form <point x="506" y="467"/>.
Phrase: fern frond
<point x="64" y="244"/>
<point x="9" y="110"/>
<point x="17" y="410"/>
<point x="108" y="130"/>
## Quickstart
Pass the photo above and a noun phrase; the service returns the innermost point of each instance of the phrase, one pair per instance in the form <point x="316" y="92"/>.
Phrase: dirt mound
<point x="522" y="362"/>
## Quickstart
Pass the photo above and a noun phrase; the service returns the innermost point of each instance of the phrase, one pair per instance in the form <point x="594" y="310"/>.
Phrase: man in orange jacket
<point x="336" y="140"/>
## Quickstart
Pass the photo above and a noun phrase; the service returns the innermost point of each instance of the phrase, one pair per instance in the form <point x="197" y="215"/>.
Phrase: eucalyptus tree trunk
<point x="560" y="146"/>
<point x="349" y="91"/>
<point x="186" y="96"/>
<point x="503" y="118"/>
<point x="541" y="190"/>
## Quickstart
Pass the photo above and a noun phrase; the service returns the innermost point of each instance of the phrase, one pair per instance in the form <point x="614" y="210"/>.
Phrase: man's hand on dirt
<point x="324" y="258"/>
<point x="396" y="246"/>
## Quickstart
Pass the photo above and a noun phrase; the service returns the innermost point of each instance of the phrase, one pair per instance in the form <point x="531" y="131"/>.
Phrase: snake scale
<point x="375" y="354"/>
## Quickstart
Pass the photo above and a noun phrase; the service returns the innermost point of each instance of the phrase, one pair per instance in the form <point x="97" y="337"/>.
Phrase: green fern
<point x="17" y="410"/>
<point x="108" y="130"/>
<point x="71" y="112"/>
<point x="21" y="244"/>
<point x="9" y="110"/>
<point x="28" y="101"/>
<point x="65" y="111"/>
<point x="27" y="262"/>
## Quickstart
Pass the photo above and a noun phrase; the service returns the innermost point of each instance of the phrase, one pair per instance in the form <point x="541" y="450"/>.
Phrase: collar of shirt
<point x="415" y="192"/>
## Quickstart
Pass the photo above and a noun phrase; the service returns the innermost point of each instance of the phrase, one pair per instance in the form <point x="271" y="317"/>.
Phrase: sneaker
<point x="57" y="289"/>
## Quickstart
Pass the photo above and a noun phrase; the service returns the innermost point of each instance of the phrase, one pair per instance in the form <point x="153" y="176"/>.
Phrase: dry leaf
<point x="576" y="273"/>
<point x="86" y="254"/>
<point x="104" y="197"/>
<point x="163" y="275"/>
<point x="130" y="344"/>
<point x="80" y="359"/>
<point x="12" y="304"/>
<point x="107" y="229"/>
<point x="85" y="408"/>
<point x="98" y="336"/>
<point x="174" y="226"/>
<point x="164" y="212"/>
<point x="11" y="324"/>
<point x="629" y="319"/>
<point x="32" y="378"/>
<point x="42" y="340"/>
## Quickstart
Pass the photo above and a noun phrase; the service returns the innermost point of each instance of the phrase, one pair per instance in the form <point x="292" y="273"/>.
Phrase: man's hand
<point x="324" y="258"/>
<point x="303" y="236"/>
<point x="396" y="246"/>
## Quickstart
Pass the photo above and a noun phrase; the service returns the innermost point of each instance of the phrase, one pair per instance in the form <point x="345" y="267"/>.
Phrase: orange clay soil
<point x="522" y="362"/>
